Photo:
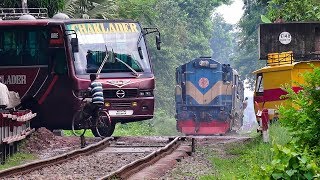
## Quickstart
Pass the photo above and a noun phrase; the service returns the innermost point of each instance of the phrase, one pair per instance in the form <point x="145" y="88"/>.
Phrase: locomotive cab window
<point x="178" y="77"/>
<point x="226" y="73"/>
<point x="259" y="84"/>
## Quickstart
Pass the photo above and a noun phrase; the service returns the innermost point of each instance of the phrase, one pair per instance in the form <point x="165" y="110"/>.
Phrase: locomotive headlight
<point x="213" y="66"/>
<point x="204" y="63"/>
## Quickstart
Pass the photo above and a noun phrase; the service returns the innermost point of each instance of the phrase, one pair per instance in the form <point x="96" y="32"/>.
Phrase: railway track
<point x="111" y="158"/>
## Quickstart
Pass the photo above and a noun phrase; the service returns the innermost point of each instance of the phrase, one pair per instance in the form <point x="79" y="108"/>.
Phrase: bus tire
<point x="104" y="133"/>
<point x="107" y="128"/>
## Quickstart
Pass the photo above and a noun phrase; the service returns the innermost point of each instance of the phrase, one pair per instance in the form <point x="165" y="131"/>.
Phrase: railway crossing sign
<point x="285" y="38"/>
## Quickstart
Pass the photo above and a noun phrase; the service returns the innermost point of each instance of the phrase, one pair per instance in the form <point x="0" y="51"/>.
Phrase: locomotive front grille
<point x="120" y="93"/>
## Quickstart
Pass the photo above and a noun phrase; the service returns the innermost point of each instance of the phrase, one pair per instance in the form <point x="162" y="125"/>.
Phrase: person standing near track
<point x="4" y="95"/>
<point x="245" y="103"/>
<point x="96" y="92"/>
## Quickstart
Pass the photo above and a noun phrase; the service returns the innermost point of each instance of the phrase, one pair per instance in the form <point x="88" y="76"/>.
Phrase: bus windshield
<point x="98" y="40"/>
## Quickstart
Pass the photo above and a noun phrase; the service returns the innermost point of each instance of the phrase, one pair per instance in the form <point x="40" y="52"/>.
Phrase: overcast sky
<point x="233" y="12"/>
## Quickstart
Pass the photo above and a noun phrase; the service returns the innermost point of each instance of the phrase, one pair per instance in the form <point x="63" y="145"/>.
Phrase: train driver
<point x="245" y="103"/>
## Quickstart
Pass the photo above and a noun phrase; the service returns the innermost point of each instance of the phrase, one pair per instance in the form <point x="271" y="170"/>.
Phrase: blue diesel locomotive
<point x="209" y="97"/>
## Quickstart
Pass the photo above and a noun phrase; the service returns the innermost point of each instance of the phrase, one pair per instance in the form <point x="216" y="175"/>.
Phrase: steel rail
<point x="132" y="168"/>
<point x="25" y="168"/>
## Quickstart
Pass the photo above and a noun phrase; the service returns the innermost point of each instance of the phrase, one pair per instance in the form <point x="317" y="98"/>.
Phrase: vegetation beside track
<point x="161" y="124"/>
<point x="240" y="161"/>
<point x="294" y="152"/>
<point x="17" y="159"/>
<point x="88" y="133"/>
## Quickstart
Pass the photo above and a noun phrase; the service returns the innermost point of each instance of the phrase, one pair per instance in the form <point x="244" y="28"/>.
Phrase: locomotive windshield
<point x="98" y="40"/>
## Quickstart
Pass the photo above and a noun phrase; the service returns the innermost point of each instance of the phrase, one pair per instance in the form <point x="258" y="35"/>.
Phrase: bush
<point x="289" y="163"/>
<point x="302" y="119"/>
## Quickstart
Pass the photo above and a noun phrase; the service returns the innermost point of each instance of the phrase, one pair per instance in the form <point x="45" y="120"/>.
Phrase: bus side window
<point x="58" y="61"/>
<point x="30" y="50"/>
<point x="9" y="49"/>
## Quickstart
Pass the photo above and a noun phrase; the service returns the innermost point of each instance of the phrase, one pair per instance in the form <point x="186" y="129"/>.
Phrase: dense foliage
<point x="101" y="9"/>
<point x="302" y="119"/>
<point x="294" y="10"/>
<point x="241" y="160"/>
<point x="53" y="6"/>
<point x="223" y="41"/>
<point x="246" y="58"/>
<point x="289" y="162"/>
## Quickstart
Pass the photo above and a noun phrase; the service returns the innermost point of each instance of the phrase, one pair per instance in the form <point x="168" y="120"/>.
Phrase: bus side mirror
<point x="158" y="42"/>
<point x="74" y="44"/>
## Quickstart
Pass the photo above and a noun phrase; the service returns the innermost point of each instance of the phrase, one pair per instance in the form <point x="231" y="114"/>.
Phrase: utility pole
<point x="24" y="5"/>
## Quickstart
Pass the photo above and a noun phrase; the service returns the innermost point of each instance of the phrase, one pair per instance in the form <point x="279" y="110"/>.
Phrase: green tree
<point x="294" y="10"/>
<point x="100" y="9"/>
<point x="142" y="10"/>
<point x="223" y="40"/>
<point x="10" y="3"/>
<point x="186" y="30"/>
<point x="246" y="60"/>
<point x="302" y="119"/>
<point x="53" y="6"/>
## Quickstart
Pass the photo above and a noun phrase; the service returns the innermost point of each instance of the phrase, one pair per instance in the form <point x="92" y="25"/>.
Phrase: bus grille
<point x="116" y="93"/>
<point x="120" y="105"/>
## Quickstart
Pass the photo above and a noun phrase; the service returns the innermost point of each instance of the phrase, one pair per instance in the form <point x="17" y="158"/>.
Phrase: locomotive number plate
<point x="120" y="112"/>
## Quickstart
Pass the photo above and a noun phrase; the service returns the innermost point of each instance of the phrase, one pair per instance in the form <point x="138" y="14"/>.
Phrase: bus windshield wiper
<point x="104" y="60"/>
<point x="134" y="71"/>
<point x="110" y="56"/>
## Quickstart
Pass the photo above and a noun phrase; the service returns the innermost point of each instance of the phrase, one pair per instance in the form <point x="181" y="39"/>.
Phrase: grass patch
<point x="161" y="125"/>
<point x="141" y="128"/>
<point x="70" y="133"/>
<point x="242" y="160"/>
<point x="17" y="159"/>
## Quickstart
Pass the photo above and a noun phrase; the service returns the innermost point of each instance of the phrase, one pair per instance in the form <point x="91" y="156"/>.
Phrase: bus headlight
<point x="148" y="93"/>
<point x="141" y="93"/>
<point x="107" y="104"/>
<point x="145" y="93"/>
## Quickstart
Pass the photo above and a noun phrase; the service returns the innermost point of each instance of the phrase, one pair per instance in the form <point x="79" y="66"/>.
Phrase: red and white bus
<point x="48" y="62"/>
